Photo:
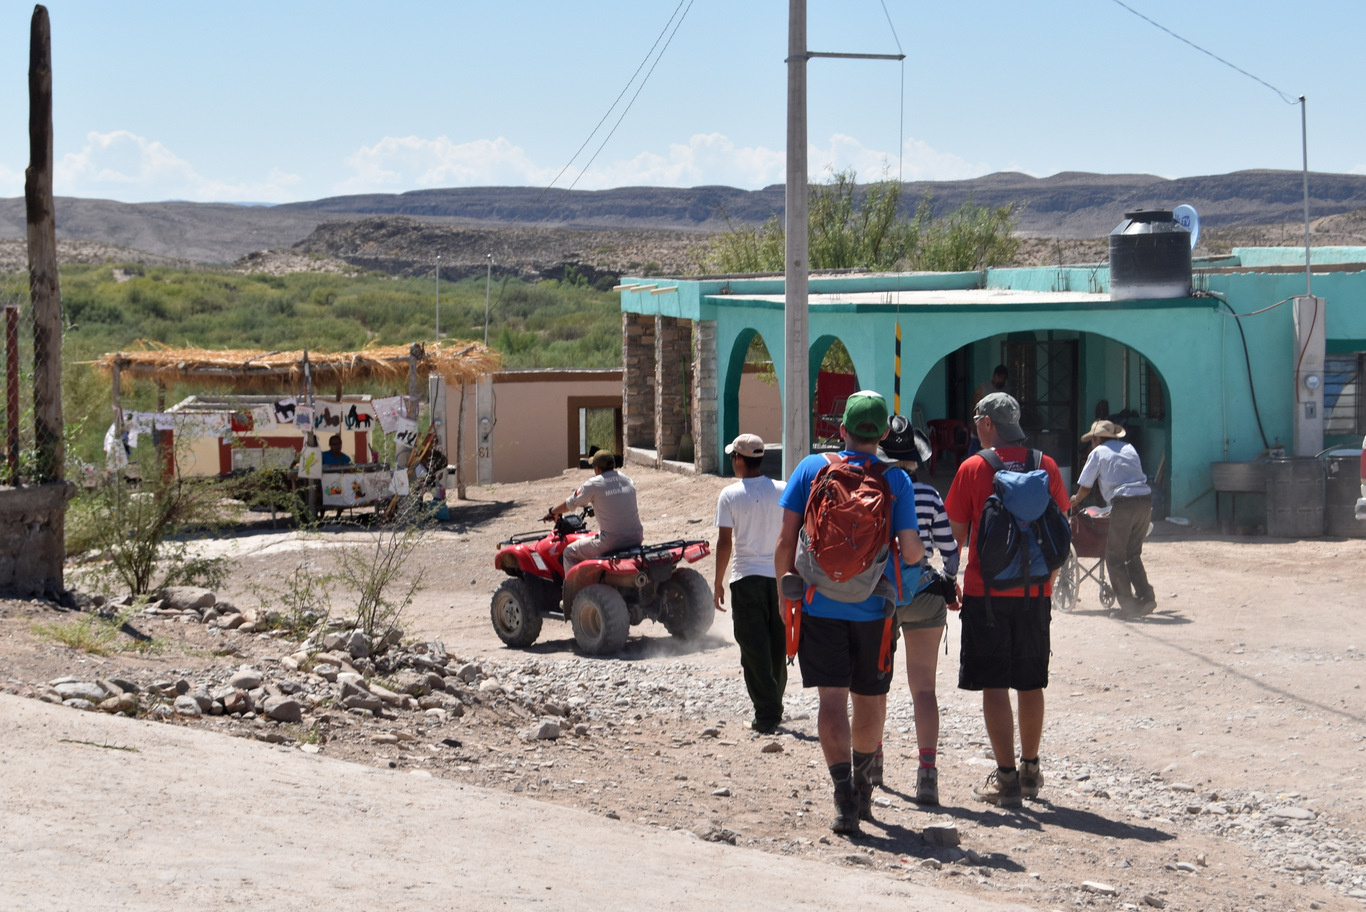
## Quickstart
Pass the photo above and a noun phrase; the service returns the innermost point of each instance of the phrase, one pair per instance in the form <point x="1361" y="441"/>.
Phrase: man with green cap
<point x="840" y="641"/>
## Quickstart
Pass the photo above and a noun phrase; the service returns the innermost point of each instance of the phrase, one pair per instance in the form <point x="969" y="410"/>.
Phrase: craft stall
<point x="286" y="411"/>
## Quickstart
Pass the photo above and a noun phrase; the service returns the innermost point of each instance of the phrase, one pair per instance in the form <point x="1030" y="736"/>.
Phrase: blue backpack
<point x="1022" y="535"/>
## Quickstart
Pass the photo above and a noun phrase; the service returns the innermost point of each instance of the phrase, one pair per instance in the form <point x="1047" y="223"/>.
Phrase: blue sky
<point x="297" y="100"/>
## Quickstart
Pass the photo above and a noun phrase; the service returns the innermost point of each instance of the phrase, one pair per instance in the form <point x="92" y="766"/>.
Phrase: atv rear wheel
<point x="686" y="608"/>
<point x="600" y="620"/>
<point x="514" y="614"/>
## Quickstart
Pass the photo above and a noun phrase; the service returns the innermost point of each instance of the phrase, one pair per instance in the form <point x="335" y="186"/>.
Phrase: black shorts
<point x="835" y="653"/>
<point x="1006" y="648"/>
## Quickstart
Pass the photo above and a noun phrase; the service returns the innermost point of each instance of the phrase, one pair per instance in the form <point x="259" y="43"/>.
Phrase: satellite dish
<point x="1189" y="219"/>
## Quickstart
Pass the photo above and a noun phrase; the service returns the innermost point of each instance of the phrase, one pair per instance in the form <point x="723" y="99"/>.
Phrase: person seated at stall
<point x="334" y="455"/>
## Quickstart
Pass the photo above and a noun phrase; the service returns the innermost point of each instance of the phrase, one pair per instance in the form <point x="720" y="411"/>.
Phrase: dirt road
<point x="1208" y="757"/>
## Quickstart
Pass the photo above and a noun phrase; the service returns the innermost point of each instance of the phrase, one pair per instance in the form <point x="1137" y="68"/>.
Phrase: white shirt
<point x="749" y="508"/>
<point x="1116" y="464"/>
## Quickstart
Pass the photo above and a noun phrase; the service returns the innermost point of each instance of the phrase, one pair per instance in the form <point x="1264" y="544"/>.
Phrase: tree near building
<point x="853" y="227"/>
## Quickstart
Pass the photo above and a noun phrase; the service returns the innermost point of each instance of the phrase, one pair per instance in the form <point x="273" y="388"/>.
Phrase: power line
<point x="639" y="89"/>
<point x="901" y="125"/>
<point x="1288" y="99"/>
<point x="617" y="100"/>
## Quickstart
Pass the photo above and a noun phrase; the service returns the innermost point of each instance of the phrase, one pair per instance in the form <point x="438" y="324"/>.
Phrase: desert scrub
<point x="137" y="536"/>
<point x="295" y="602"/>
<point x="100" y="634"/>
<point x="383" y="580"/>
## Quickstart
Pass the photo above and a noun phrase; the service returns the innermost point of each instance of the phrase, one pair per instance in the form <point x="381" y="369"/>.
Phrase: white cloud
<point x="11" y="182"/>
<point x="395" y="164"/>
<point x="399" y="163"/>
<point x="122" y="165"/>
<point x="919" y="161"/>
<point x="1359" y="169"/>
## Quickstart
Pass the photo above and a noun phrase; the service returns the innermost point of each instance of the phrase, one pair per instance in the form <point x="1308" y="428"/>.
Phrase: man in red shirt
<point x="1005" y="644"/>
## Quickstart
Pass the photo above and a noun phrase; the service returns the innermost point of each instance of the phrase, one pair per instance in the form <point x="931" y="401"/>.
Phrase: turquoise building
<point x="1227" y="374"/>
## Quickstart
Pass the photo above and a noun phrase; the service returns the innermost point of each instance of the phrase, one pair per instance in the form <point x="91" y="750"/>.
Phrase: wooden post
<point x="42" y="257"/>
<point x="12" y="393"/>
<point x="460" y="447"/>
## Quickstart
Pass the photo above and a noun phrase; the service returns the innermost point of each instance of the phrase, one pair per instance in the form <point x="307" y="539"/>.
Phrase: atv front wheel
<point x="600" y="620"/>
<point x="514" y="615"/>
<point x="686" y="608"/>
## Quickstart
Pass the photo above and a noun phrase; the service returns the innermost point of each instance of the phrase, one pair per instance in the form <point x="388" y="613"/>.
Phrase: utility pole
<point x="797" y="271"/>
<point x="438" y="296"/>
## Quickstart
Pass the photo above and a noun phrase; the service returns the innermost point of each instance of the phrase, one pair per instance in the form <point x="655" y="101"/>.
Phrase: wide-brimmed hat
<point x="904" y="443"/>
<point x="1004" y="413"/>
<point x="751" y="445"/>
<point x="865" y="414"/>
<point x="1102" y="430"/>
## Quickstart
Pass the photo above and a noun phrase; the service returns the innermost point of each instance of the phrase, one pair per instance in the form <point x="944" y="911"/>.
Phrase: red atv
<point x="603" y="596"/>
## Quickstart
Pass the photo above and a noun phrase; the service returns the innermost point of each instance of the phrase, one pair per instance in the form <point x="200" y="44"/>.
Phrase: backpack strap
<point x="992" y="458"/>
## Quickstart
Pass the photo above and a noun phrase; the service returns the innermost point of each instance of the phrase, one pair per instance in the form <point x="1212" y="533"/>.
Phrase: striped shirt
<point x="935" y="532"/>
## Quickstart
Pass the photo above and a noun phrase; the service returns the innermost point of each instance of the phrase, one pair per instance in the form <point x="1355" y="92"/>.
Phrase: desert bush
<point x="98" y="634"/>
<point x="297" y="601"/>
<point x="383" y="579"/>
<point x="136" y="533"/>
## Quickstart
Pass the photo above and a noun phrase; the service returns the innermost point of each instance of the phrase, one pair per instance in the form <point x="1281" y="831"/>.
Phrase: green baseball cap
<point x="865" y="414"/>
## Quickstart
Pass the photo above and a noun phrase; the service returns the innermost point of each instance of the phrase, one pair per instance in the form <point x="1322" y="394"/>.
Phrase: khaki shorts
<point x="924" y="612"/>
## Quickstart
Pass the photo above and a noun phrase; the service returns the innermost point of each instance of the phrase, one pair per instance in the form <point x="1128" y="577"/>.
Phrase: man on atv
<point x="613" y="497"/>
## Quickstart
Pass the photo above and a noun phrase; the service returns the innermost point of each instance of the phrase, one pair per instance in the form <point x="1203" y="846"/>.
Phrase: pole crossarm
<point x="843" y="56"/>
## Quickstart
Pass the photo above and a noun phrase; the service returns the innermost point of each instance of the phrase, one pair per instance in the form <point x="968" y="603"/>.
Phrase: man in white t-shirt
<point x="748" y="520"/>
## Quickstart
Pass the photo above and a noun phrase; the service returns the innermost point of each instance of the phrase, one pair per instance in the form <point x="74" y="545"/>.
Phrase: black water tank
<point x="1150" y="257"/>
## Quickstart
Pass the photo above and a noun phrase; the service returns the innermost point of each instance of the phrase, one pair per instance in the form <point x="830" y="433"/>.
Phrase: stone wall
<point x="673" y="358"/>
<point x="32" y="547"/>
<point x="704" y="397"/>
<point x="638" y="379"/>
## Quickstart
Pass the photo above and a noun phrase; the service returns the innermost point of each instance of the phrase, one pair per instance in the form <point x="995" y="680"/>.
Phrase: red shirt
<point x="968" y="494"/>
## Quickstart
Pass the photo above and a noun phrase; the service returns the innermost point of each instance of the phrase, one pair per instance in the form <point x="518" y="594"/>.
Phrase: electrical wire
<point x="620" y="95"/>
<point x="629" y="104"/>
<point x="1247" y="357"/>
<point x="1285" y="97"/>
<point x="901" y="126"/>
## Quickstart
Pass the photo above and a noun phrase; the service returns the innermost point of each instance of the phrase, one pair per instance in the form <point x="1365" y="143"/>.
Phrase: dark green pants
<point x="762" y="638"/>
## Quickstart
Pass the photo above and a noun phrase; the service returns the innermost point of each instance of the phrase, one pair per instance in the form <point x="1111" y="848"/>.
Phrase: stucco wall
<point x="533" y="426"/>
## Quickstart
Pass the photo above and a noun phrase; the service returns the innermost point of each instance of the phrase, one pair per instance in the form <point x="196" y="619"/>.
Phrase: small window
<point x="1152" y="405"/>
<point x="1344" y="405"/>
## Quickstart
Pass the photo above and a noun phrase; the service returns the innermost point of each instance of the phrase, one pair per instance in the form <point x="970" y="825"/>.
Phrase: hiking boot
<point x="846" y="810"/>
<point x="927" y="785"/>
<point x="1001" y="789"/>
<point x="875" y="773"/>
<point x="865" y="800"/>
<point x="1031" y="779"/>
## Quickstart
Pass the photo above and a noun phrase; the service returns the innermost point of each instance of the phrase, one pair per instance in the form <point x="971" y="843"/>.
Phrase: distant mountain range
<point x="1070" y="205"/>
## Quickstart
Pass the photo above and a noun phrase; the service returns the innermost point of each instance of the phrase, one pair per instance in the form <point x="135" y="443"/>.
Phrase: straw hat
<point x="1103" y="430"/>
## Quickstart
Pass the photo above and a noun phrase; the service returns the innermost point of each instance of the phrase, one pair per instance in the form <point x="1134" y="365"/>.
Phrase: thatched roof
<point x="459" y="362"/>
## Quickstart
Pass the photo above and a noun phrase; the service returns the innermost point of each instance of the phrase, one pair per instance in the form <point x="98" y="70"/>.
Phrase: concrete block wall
<point x="32" y="546"/>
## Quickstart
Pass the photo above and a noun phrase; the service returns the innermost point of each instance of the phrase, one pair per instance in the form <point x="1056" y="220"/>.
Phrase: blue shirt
<point x="794" y="498"/>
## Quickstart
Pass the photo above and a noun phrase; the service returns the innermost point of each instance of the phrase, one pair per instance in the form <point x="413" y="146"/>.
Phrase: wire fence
<point x="17" y="463"/>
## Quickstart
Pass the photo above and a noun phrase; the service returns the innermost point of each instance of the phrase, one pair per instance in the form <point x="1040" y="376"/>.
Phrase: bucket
<point x="1294" y="497"/>
<point x="1341" y="488"/>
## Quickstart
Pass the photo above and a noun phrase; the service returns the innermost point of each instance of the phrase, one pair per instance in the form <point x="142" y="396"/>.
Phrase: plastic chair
<point x="948" y="435"/>
<point x="828" y="423"/>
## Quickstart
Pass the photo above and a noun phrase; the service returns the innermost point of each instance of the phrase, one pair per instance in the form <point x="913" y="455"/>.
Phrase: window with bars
<point x="1344" y="406"/>
<point x="1151" y="403"/>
